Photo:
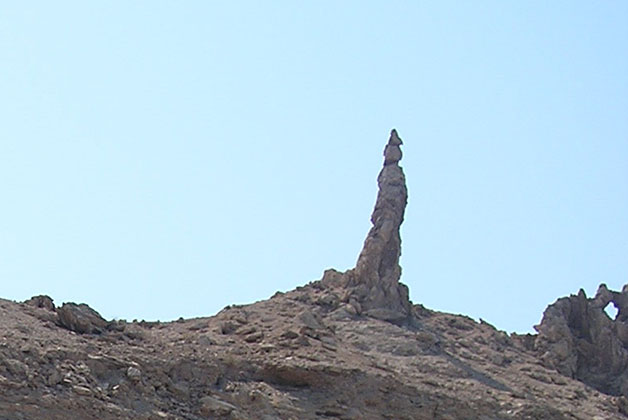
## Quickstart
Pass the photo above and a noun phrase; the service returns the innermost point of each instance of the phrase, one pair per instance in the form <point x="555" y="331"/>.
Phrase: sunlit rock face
<point x="374" y="283"/>
<point x="577" y="338"/>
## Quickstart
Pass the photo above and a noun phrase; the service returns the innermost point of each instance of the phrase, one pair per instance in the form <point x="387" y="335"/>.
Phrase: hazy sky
<point x="162" y="159"/>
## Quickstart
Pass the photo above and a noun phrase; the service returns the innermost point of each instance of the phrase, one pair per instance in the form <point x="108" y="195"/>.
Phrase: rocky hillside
<point x="349" y="346"/>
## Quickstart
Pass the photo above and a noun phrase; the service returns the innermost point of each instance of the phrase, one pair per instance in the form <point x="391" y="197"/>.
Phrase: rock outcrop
<point x="311" y="353"/>
<point x="578" y="339"/>
<point x="41" y="301"/>
<point x="373" y="284"/>
<point x="81" y="319"/>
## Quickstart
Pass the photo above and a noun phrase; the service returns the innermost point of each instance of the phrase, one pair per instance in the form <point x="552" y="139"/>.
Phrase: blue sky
<point x="164" y="159"/>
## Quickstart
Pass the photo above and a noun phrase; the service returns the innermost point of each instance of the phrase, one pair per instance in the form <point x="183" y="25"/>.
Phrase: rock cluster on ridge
<point x="77" y="318"/>
<point x="578" y="339"/>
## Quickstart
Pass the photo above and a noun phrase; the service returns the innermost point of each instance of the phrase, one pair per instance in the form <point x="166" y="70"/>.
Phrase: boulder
<point x="81" y="319"/>
<point x="213" y="407"/>
<point x="41" y="301"/>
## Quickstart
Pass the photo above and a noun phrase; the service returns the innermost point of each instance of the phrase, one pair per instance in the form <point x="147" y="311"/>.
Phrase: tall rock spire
<point x="375" y="278"/>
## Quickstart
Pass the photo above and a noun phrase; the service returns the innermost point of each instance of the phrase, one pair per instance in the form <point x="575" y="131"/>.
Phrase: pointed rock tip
<point x="394" y="140"/>
<point x="392" y="152"/>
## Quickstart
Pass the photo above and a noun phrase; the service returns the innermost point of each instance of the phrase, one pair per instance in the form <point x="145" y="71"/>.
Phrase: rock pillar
<point x="375" y="279"/>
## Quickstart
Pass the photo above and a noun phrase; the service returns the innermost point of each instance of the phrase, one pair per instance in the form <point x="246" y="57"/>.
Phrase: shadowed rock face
<point x="578" y="339"/>
<point x="77" y="318"/>
<point x="81" y="319"/>
<point x="375" y="279"/>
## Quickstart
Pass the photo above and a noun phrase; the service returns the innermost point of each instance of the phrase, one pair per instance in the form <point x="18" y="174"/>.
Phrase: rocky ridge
<point x="349" y="346"/>
<point x="578" y="339"/>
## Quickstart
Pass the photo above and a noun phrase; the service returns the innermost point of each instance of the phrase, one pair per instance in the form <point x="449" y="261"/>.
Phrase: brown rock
<point x="41" y="301"/>
<point x="375" y="279"/>
<point x="578" y="339"/>
<point x="82" y="390"/>
<point x="254" y="337"/>
<point x="213" y="407"/>
<point x="81" y="319"/>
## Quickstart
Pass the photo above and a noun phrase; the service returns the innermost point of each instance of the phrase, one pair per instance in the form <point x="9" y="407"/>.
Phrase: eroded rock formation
<point x="374" y="282"/>
<point x="578" y="339"/>
<point x="310" y="353"/>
